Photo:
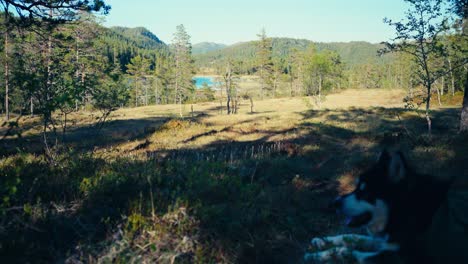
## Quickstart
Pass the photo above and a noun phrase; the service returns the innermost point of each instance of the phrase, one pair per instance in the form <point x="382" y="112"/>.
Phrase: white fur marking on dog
<point x="328" y="255"/>
<point x="318" y="242"/>
<point x="379" y="218"/>
<point x="370" y="243"/>
<point x="354" y="207"/>
<point x="362" y="257"/>
<point x="344" y="245"/>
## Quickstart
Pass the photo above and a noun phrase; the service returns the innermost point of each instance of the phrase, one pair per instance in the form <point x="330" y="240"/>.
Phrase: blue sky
<point x="232" y="21"/>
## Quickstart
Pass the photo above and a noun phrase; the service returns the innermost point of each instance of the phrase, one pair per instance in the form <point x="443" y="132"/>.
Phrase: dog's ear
<point x="397" y="167"/>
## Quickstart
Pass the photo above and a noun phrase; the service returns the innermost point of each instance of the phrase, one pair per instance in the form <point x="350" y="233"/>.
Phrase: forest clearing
<point x="202" y="186"/>
<point x="340" y="136"/>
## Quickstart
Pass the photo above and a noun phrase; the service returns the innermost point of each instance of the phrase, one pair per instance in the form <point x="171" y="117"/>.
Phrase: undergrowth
<point x="258" y="201"/>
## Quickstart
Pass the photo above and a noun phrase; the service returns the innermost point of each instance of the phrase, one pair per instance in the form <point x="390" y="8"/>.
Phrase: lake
<point x="200" y="80"/>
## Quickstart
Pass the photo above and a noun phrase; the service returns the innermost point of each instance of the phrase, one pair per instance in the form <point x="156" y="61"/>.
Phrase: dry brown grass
<point x="301" y="158"/>
<point x="273" y="120"/>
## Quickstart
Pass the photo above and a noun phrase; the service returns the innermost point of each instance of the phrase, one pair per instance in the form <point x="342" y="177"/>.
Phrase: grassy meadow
<point x="207" y="188"/>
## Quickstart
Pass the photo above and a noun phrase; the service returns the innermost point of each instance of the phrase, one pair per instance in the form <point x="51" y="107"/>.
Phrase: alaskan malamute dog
<point x="396" y="205"/>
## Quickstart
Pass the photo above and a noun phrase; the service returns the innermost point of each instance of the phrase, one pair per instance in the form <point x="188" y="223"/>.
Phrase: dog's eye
<point x="362" y="186"/>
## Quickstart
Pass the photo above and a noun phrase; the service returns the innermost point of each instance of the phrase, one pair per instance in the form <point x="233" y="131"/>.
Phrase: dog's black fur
<point x="411" y="201"/>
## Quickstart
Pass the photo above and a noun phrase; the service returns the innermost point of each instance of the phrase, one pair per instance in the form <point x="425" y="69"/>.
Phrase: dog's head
<point x="376" y="189"/>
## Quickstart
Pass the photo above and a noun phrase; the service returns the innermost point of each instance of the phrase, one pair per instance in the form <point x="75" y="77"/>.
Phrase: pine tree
<point x="138" y="68"/>
<point x="183" y="66"/>
<point x="264" y="62"/>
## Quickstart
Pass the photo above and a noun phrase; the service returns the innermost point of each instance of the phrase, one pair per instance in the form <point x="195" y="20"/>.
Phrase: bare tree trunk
<point x="251" y="105"/>
<point x="291" y="82"/>
<point x="262" y="84"/>
<point x="442" y="86"/>
<point x="64" y="131"/>
<point x="233" y="105"/>
<point x="7" y="84"/>
<point x="32" y="107"/>
<point x="320" y="92"/>
<point x="428" y="106"/>
<point x="146" y="95"/>
<point x="452" y="76"/>
<point x="136" y="93"/>
<point x="228" y="105"/>
<point x="180" y="109"/>
<point x="438" y="96"/>
<point x="48" y="114"/>
<point x="228" y="95"/>
<point x="228" y="83"/>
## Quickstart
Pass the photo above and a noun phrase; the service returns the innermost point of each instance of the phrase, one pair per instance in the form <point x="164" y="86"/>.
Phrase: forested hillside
<point x="205" y="47"/>
<point x="351" y="53"/>
<point x="126" y="43"/>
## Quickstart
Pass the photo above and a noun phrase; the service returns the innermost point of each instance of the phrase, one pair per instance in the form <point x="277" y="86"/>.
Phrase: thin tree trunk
<point x="146" y="95"/>
<point x="136" y="93"/>
<point x="442" y="86"/>
<point x="428" y="106"/>
<point x="438" y="96"/>
<point x="452" y="76"/>
<point x="7" y="84"/>
<point x="251" y="105"/>
<point x="48" y="113"/>
<point x="64" y="126"/>
<point x="262" y="83"/>
<point x="228" y="94"/>
<point x="320" y="92"/>
<point x="32" y="107"/>
<point x="291" y="80"/>
<point x="228" y="104"/>
<point x="180" y="109"/>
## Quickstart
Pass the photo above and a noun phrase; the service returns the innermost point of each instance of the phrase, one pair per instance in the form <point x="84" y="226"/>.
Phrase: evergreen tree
<point x="264" y="62"/>
<point x="183" y="66"/>
<point x="164" y="72"/>
<point x="139" y="68"/>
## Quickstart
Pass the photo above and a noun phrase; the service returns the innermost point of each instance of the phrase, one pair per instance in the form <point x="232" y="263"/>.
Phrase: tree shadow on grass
<point x="258" y="201"/>
<point x="87" y="137"/>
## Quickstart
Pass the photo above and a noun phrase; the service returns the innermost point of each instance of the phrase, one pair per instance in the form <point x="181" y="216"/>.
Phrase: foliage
<point x="183" y="66"/>
<point x="65" y="10"/>
<point x="264" y="63"/>
<point x="204" y="203"/>
<point x="205" y="47"/>
<point x="352" y="53"/>
<point x="419" y="35"/>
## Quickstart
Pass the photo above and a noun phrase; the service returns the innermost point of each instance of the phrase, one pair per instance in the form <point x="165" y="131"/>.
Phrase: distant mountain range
<point x="123" y="44"/>
<point x="205" y="47"/>
<point x="139" y="36"/>
<point x="133" y="41"/>
<point x="352" y="53"/>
